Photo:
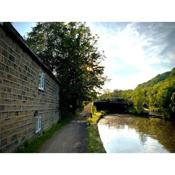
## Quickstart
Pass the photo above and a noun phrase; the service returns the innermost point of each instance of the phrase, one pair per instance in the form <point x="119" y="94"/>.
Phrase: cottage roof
<point x="11" y="31"/>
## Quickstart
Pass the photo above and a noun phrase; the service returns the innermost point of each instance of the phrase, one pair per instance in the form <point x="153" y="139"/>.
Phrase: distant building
<point x="29" y="92"/>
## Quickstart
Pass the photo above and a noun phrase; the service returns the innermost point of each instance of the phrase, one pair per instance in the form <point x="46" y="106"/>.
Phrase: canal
<point x="124" y="133"/>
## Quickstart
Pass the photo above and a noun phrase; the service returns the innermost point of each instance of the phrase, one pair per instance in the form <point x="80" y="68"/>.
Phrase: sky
<point x="135" y="52"/>
<point x="24" y="27"/>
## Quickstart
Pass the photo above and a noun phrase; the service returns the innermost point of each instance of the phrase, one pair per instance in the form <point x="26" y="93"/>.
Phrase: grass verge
<point x="96" y="115"/>
<point x="94" y="142"/>
<point x="33" y="145"/>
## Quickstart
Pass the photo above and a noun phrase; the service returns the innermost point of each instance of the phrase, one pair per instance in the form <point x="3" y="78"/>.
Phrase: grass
<point x="94" y="142"/>
<point x="95" y="118"/>
<point x="96" y="115"/>
<point x="33" y="145"/>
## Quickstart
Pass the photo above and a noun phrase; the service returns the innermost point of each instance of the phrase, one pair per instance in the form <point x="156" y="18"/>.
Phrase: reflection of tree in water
<point x="117" y="126"/>
<point x="114" y="123"/>
<point x="163" y="131"/>
<point x="143" y="137"/>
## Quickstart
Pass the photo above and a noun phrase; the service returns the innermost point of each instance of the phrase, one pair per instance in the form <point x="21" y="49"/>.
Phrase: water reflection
<point x="126" y="134"/>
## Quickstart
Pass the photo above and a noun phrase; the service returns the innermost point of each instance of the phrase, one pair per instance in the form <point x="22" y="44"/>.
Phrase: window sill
<point x="37" y="131"/>
<point x="42" y="90"/>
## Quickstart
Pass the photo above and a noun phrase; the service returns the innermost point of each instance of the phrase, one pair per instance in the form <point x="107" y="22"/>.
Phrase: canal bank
<point x="95" y="144"/>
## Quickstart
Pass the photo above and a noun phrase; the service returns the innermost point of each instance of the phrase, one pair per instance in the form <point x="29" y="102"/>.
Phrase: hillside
<point x="160" y="78"/>
<point x="156" y="95"/>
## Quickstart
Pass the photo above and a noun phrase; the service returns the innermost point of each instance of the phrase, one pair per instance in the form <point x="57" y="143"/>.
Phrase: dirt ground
<point x="70" y="139"/>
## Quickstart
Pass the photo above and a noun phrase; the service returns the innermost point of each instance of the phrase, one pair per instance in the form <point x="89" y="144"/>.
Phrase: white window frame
<point x="38" y="124"/>
<point x="41" y="81"/>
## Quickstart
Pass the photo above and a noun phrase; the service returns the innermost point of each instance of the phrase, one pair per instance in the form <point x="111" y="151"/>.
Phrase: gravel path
<point x="70" y="139"/>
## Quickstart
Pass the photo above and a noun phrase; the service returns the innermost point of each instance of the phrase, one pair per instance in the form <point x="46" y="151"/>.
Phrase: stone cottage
<point x="29" y="92"/>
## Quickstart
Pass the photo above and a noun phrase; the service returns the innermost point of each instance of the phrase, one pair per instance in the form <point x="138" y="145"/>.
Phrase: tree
<point x="138" y="100"/>
<point x="172" y="105"/>
<point x="70" y="51"/>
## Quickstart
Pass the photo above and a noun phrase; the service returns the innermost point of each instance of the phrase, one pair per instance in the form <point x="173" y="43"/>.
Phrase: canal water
<point x="123" y="133"/>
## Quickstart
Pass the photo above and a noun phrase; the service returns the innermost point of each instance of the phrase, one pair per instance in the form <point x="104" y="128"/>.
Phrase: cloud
<point x="135" y="52"/>
<point x="162" y="39"/>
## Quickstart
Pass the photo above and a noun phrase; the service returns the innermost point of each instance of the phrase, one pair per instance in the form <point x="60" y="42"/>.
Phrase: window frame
<point x="41" y="85"/>
<point x="38" y="124"/>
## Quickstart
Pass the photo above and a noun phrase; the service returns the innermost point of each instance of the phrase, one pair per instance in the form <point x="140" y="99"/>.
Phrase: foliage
<point x="70" y="51"/>
<point x="155" y="95"/>
<point x="107" y="95"/>
<point x="138" y="100"/>
<point x="96" y="115"/>
<point x="172" y="105"/>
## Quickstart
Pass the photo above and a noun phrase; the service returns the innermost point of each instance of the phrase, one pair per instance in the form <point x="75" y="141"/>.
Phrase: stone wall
<point x="20" y="99"/>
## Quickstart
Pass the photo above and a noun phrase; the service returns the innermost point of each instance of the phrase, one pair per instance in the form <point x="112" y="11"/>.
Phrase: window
<point x="38" y="124"/>
<point x="41" y="81"/>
